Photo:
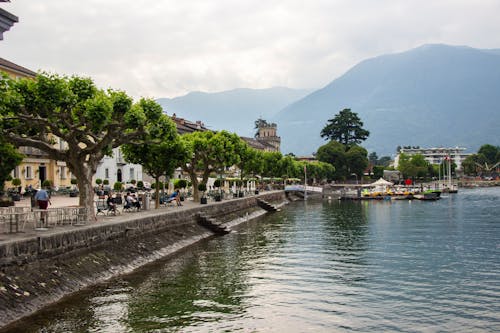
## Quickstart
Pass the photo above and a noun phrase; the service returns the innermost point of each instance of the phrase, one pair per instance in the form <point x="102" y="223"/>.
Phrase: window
<point x="106" y="173"/>
<point x="28" y="172"/>
<point x="62" y="172"/>
<point x="131" y="173"/>
<point x="15" y="172"/>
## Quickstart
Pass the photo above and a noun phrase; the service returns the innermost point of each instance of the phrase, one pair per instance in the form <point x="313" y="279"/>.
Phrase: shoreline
<point x="40" y="270"/>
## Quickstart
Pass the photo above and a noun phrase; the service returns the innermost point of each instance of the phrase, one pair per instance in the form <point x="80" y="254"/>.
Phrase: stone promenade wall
<point x="41" y="270"/>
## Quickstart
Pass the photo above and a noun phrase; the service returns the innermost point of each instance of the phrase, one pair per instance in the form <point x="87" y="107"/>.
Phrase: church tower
<point x="266" y="134"/>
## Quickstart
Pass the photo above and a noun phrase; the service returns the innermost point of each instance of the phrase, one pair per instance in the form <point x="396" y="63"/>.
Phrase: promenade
<point x="65" y="201"/>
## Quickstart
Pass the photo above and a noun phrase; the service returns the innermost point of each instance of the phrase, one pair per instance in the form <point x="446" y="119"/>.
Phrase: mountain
<point x="235" y="110"/>
<point x="431" y="96"/>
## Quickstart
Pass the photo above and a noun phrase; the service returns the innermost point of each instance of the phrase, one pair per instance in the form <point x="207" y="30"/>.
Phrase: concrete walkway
<point x="66" y="201"/>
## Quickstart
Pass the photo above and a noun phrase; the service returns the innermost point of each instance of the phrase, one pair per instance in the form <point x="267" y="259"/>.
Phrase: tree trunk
<point x="157" y="193"/>
<point x="83" y="173"/>
<point x="194" y="182"/>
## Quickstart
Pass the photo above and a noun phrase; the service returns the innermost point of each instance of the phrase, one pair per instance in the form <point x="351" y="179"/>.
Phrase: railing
<point x="16" y="218"/>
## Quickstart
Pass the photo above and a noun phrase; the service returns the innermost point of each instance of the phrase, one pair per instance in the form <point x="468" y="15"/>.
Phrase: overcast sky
<point x="167" y="48"/>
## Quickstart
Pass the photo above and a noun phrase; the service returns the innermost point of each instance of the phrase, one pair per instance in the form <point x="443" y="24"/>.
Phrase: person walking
<point x="43" y="200"/>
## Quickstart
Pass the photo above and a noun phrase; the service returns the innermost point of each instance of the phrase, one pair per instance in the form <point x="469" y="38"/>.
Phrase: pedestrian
<point x="43" y="200"/>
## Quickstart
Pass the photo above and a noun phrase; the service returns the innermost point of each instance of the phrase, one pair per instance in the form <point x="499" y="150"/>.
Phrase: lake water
<point x="372" y="266"/>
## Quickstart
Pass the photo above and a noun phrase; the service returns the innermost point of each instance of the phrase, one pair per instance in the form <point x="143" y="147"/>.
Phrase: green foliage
<point x="16" y="181"/>
<point x="334" y="153"/>
<point x="105" y="182"/>
<point x="182" y="183"/>
<point x="140" y="184"/>
<point x="413" y="166"/>
<point x="217" y="183"/>
<point x="98" y="181"/>
<point x="74" y="181"/>
<point x="10" y="158"/>
<point x="346" y="128"/>
<point x="133" y="181"/>
<point x="46" y="183"/>
<point x="91" y="121"/>
<point x="357" y="160"/>
<point x="117" y="186"/>
<point x="202" y="187"/>
<point x="210" y="152"/>
<point x="490" y="153"/>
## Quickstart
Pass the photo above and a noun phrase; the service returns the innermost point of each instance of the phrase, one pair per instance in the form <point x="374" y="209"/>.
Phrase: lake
<point x="317" y="266"/>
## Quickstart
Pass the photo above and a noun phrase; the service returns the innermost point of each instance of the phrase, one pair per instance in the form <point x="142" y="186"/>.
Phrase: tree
<point x="357" y="160"/>
<point x="10" y="158"/>
<point x="90" y="122"/>
<point x="346" y="128"/>
<point x="208" y="152"/>
<point x="413" y="166"/>
<point x="271" y="160"/>
<point x="164" y="151"/>
<point x="334" y="153"/>
<point x="490" y="153"/>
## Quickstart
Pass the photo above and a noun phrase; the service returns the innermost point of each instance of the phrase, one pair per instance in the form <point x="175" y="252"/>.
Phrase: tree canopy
<point x="164" y="151"/>
<point x="89" y="121"/>
<point x="346" y="127"/>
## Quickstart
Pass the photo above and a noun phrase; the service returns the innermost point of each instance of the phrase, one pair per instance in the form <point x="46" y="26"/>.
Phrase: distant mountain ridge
<point x="433" y="95"/>
<point x="234" y="110"/>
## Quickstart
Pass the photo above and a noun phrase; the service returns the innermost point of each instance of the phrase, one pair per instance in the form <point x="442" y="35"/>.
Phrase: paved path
<point x="66" y="201"/>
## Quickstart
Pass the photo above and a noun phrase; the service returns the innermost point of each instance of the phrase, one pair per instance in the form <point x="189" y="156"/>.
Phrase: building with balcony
<point x="435" y="155"/>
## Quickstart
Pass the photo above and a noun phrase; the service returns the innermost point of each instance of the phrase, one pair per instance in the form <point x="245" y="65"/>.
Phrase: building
<point x="266" y="138"/>
<point x="115" y="169"/>
<point x="7" y="20"/>
<point x="435" y="155"/>
<point x="36" y="167"/>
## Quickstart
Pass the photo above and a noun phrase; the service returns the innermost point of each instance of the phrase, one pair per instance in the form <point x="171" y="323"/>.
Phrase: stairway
<point x="212" y="224"/>
<point x="267" y="206"/>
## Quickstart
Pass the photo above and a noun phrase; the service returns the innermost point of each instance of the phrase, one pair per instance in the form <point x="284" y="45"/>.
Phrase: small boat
<point x="428" y="196"/>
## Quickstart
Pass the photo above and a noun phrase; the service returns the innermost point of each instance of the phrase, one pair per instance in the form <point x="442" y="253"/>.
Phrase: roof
<point x="185" y="126"/>
<point x="258" y="144"/>
<point x="7" y="20"/>
<point x="12" y="67"/>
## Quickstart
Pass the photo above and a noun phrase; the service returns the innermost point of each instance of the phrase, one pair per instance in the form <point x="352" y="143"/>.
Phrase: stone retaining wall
<point x="38" y="271"/>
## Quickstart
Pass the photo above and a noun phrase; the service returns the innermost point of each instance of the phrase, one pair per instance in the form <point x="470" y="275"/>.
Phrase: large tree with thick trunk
<point x="209" y="152"/>
<point x="91" y="122"/>
<point x="164" y="151"/>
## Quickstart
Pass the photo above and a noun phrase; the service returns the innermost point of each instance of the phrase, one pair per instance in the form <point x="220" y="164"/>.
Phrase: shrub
<point x="133" y="181"/>
<point x="217" y="183"/>
<point x="47" y="183"/>
<point x="202" y="187"/>
<point x="74" y="181"/>
<point x="105" y="182"/>
<point x="182" y="183"/>
<point x="117" y="186"/>
<point x="140" y="184"/>
<point x="98" y="181"/>
<point x="16" y="181"/>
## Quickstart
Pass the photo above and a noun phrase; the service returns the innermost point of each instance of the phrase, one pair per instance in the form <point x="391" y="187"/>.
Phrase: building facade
<point x="436" y="155"/>
<point x="115" y="169"/>
<point x="36" y="167"/>
<point x="266" y="138"/>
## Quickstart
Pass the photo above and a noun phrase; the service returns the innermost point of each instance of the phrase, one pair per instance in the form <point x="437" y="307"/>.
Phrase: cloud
<point x="168" y="48"/>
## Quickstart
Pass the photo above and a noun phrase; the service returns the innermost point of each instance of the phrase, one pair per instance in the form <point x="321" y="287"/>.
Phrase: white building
<point x="436" y="155"/>
<point x="116" y="169"/>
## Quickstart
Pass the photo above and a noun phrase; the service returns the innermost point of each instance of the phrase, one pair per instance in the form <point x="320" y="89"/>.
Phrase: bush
<point x="47" y="183"/>
<point x="16" y="181"/>
<point x="133" y="181"/>
<point x="74" y="181"/>
<point x="217" y="183"/>
<point x="140" y="184"/>
<point x="105" y="182"/>
<point x="98" y="181"/>
<point x="117" y="186"/>
<point x="202" y="187"/>
<point x="182" y="183"/>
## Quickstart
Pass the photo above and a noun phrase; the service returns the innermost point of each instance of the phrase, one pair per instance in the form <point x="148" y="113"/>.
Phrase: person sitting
<point x="111" y="204"/>
<point x="175" y="196"/>
<point x="135" y="202"/>
<point x="129" y="202"/>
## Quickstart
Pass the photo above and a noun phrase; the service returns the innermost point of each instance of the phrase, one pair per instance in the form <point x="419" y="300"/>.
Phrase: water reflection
<point x="316" y="266"/>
